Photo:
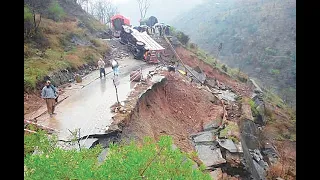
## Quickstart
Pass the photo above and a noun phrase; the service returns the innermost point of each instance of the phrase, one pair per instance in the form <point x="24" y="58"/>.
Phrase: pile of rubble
<point x="118" y="54"/>
<point x="218" y="154"/>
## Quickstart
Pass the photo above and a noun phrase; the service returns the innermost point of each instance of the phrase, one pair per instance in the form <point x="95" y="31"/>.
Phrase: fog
<point x="164" y="10"/>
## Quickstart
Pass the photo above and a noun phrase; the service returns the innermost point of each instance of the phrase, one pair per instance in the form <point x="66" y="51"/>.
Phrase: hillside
<point x="61" y="36"/>
<point x="60" y="40"/>
<point x="259" y="37"/>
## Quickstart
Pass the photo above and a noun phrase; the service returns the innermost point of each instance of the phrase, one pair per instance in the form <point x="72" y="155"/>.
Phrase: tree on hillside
<point x="143" y="7"/>
<point x="84" y="4"/>
<point x="104" y="10"/>
<point x="35" y="6"/>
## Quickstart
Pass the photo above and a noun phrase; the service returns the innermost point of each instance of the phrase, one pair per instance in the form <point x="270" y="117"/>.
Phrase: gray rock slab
<point x="210" y="126"/>
<point x="208" y="156"/>
<point x="228" y="144"/>
<point x="204" y="137"/>
<point x="227" y="95"/>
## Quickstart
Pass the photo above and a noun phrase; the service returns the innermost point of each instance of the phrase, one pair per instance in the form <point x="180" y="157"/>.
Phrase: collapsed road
<point x="177" y="106"/>
<point x="87" y="106"/>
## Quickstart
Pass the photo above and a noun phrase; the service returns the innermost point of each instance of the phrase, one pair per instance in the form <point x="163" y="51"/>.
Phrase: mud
<point x="173" y="107"/>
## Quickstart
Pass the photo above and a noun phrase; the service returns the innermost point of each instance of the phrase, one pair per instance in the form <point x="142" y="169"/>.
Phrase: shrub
<point x="274" y="71"/>
<point x="193" y="46"/>
<point x="224" y="68"/>
<point x="56" y="12"/>
<point x="183" y="38"/>
<point x="149" y="161"/>
<point x="253" y="108"/>
<point x="27" y="14"/>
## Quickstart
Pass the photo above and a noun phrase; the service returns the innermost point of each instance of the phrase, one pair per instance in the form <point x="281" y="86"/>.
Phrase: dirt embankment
<point x="174" y="107"/>
<point x="189" y="59"/>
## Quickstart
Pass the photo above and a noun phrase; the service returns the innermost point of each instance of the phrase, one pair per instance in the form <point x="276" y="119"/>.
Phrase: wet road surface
<point x="88" y="104"/>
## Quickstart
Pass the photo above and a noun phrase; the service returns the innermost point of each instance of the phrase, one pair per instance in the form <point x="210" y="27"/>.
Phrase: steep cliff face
<point x="259" y="37"/>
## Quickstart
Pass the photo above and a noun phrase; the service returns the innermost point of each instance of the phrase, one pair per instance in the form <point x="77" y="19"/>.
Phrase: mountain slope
<point x="66" y="39"/>
<point x="259" y="37"/>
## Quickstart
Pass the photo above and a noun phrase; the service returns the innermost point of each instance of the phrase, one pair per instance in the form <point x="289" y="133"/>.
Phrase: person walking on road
<point x="115" y="67"/>
<point x="50" y="94"/>
<point x="101" y="66"/>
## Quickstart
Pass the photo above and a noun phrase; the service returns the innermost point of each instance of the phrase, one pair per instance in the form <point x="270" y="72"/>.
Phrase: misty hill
<point x="259" y="37"/>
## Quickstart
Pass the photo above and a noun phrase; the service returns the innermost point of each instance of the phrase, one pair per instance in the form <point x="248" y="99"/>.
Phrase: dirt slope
<point x="188" y="58"/>
<point x="175" y="108"/>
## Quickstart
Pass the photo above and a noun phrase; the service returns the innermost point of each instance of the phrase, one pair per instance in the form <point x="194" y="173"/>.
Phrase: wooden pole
<point x="115" y="86"/>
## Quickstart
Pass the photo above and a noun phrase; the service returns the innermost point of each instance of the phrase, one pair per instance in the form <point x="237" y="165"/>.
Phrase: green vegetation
<point x="27" y="14"/>
<point x="275" y="71"/>
<point x="257" y="37"/>
<point x="49" y="41"/>
<point x="56" y="12"/>
<point x="253" y="108"/>
<point x="229" y="132"/>
<point x="224" y="68"/>
<point x="150" y="160"/>
<point x="183" y="38"/>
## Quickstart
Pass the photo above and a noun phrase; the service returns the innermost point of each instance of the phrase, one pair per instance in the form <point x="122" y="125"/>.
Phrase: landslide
<point x="173" y="107"/>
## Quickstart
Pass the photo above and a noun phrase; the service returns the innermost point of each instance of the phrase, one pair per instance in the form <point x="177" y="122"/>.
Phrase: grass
<point x="205" y="57"/>
<point x="151" y="160"/>
<point x="230" y="131"/>
<point x="40" y="62"/>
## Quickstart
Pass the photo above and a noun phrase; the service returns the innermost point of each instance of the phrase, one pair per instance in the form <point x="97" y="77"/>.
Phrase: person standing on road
<point x="101" y="66"/>
<point x="115" y="67"/>
<point x="49" y="94"/>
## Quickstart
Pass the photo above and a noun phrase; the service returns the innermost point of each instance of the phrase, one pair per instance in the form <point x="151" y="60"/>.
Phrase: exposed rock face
<point x="69" y="75"/>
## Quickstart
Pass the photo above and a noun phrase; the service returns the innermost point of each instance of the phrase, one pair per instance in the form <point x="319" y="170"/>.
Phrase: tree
<point x="143" y="7"/>
<point x="104" y="10"/>
<point x="84" y="4"/>
<point x="36" y="6"/>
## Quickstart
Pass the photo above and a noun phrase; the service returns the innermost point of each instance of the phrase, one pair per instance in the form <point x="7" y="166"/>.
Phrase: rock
<point x="256" y="157"/>
<point x="227" y="95"/>
<point x="239" y="147"/>
<point x="174" y="147"/>
<point x="233" y="159"/>
<point x="114" y="127"/>
<point x="78" y="78"/>
<point x="210" y="126"/>
<point x="261" y="171"/>
<point x="37" y="152"/>
<point x="102" y="156"/>
<point x="228" y="144"/>
<point x="216" y="174"/>
<point x="204" y="137"/>
<point x="208" y="156"/>
<point x="246" y="110"/>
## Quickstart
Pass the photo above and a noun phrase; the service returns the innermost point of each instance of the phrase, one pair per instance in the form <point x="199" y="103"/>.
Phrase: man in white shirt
<point x="115" y="67"/>
<point x="101" y="66"/>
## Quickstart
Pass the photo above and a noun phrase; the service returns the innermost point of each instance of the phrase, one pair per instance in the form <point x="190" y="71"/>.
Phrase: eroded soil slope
<point x="188" y="58"/>
<point x="175" y="107"/>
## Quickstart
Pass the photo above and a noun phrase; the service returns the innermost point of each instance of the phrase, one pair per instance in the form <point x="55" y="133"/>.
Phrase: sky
<point x="164" y="10"/>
